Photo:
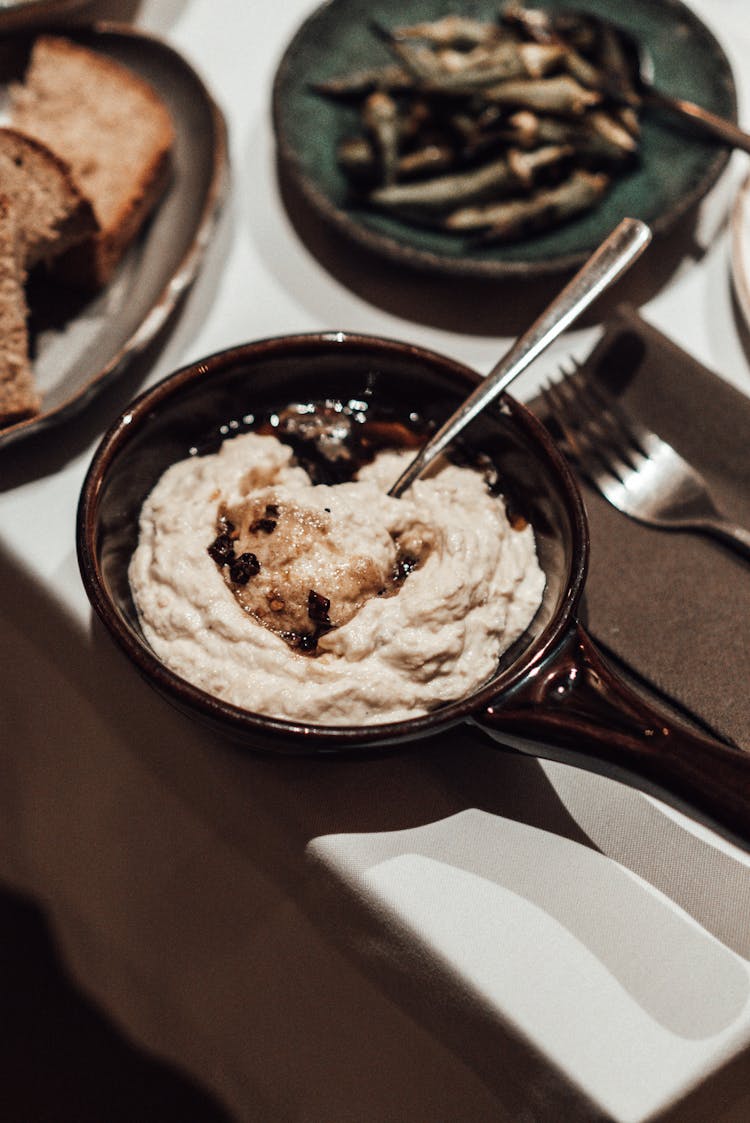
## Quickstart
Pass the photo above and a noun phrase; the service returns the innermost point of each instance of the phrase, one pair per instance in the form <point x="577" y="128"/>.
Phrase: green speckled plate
<point x="675" y="172"/>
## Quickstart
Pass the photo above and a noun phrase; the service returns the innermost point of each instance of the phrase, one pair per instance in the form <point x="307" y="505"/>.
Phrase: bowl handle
<point x="573" y="708"/>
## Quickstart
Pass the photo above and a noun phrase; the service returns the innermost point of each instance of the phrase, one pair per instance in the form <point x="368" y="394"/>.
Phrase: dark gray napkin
<point x="674" y="607"/>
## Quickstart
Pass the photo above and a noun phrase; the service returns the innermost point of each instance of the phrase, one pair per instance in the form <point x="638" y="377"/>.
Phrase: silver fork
<point x="636" y="470"/>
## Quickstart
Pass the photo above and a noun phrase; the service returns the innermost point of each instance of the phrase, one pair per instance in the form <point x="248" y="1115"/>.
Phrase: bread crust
<point x="19" y="398"/>
<point x="42" y="214"/>
<point x="77" y="129"/>
<point x="91" y="263"/>
<point x="50" y="211"/>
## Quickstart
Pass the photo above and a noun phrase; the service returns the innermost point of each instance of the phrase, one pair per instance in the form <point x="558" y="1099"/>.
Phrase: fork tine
<point x="593" y="440"/>
<point x="653" y="483"/>
<point x="600" y="423"/>
<point x="631" y="430"/>
<point x="576" y="438"/>
<point x="611" y="440"/>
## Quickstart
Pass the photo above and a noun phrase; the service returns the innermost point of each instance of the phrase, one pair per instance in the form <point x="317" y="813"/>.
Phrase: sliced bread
<point x="50" y="212"/>
<point x="18" y="395"/>
<point x="42" y="214"/>
<point x="111" y="128"/>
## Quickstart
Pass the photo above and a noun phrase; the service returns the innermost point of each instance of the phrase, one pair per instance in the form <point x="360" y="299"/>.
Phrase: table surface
<point x="454" y="933"/>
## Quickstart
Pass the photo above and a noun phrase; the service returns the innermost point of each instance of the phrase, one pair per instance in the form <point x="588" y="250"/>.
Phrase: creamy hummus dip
<point x="329" y="604"/>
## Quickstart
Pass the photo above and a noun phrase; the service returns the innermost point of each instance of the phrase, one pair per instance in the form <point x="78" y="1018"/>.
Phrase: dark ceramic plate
<point x="82" y="344"/>
<point x="676" y="169"/>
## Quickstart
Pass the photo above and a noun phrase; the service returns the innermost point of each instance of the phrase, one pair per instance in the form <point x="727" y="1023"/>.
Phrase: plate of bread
<point x="113" y="168"/>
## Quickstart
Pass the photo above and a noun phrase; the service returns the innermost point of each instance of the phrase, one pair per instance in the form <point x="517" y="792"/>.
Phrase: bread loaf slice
<point x="18" y="396"/>
<point x="50" y="213"/>
<point x="43" y="213"/>
<point x="114" y="132"/>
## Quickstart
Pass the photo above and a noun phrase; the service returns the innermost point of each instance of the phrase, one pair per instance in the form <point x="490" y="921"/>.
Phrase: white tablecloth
<point x="450" y="934"/>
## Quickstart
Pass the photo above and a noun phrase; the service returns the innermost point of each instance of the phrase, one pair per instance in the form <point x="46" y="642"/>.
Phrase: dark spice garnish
<point x="403" y="567"/>
<point x="222" y="547"/>
<point x="333" y="439"/>
<point x="272" y="510"/>
<point x="266" y="525"/>
<point x="243" y="568"/>
<point x="318" y="608"/>
<point x="303" y="641"/>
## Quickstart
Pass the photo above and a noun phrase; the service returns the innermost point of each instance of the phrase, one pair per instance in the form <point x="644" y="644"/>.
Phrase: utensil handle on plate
<point x="709" y="122"/>
<point x="575" y="709"/>
<point x="616" y="253"/>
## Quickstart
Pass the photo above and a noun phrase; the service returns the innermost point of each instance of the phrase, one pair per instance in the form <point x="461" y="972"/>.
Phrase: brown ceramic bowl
<point x="551" y="696"/>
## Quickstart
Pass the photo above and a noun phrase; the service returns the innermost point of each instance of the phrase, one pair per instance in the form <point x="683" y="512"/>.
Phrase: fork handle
<point x="738" y="537"/>
<point x="709" y="122"/>
<point x="576" y="710"/>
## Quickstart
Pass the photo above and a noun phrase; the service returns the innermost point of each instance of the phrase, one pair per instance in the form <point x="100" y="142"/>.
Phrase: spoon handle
<point x="616" y="253"/>
<point x="709" y="122"/>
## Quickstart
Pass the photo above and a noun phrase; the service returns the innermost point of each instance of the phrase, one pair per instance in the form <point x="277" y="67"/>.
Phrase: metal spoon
<point x="646" y="93"/>
<point x="616" y="254"/>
